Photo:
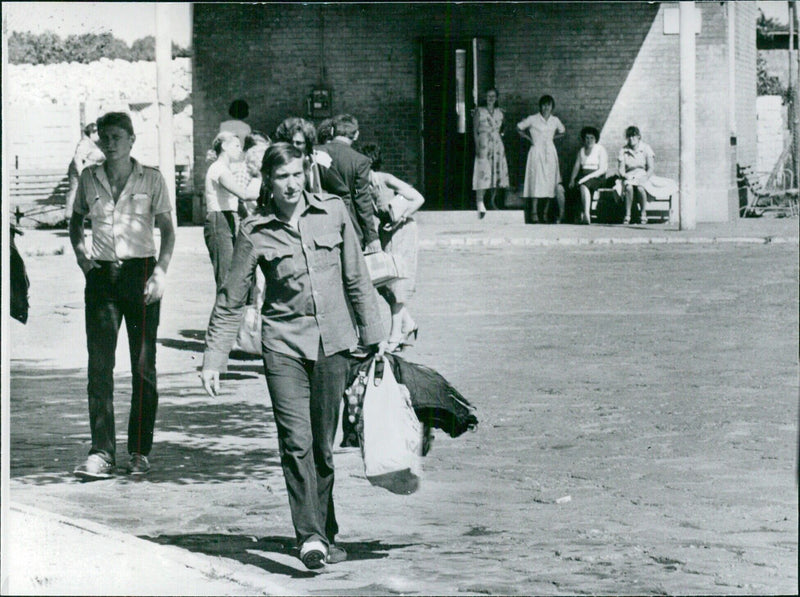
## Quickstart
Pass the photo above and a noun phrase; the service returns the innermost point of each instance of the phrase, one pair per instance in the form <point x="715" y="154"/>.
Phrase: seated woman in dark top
<point x="589" y="173"/>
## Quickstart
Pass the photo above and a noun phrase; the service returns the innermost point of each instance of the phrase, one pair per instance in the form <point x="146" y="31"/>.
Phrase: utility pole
<point x="794" y="80"/>
<point x="687" y="200"/>
<point x="166" y="142"/>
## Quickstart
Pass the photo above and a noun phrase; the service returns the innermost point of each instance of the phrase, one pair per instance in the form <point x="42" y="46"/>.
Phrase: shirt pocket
<point x="280" y="264"/>
<point x="139" y="204"/>
<point x="327" y="248"/>
<point x="98" y="211"/>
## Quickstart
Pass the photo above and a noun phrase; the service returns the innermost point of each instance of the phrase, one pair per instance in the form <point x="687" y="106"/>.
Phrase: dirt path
<point x="654" y="386"/>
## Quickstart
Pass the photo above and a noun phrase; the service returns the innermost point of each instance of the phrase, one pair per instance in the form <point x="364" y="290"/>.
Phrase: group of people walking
<point x="543" y="183"/>
<point x="300" y="210"/>
<point x="300" y="213"/>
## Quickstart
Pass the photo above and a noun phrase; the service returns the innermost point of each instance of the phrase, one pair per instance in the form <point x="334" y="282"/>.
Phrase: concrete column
<point x="688" y="200"/>
<point x="5" y="310"/>
<point x="733" y="155"/>
<point x="794" y="73"/>
<point x="166" y="141"/>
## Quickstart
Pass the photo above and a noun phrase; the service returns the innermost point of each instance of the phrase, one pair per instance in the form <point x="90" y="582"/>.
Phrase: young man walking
<point x="125" y="202"/>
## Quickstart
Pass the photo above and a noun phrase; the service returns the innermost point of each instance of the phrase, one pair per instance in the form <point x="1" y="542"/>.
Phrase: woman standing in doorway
<point x="491" y="169"/>
<point x="542" y="174"/>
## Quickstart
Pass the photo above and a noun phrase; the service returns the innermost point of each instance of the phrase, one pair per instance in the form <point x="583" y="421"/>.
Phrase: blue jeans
<point x="219" y="232"/>
<point x="305" y="401"/>
<point x="113" y="291"/>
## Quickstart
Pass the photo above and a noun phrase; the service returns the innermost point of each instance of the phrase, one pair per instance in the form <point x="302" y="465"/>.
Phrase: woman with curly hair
<point x="302" y="134"/>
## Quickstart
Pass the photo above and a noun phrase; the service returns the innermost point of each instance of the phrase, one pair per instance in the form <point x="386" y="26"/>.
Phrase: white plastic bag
<point x="391" y="435"/>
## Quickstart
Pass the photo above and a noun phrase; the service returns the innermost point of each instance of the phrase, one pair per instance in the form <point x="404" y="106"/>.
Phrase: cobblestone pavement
<point x="638" y="428"/>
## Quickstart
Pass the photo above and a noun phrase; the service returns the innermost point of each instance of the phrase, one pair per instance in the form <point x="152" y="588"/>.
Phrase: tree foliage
<point x="766" y="25"/>
<point x="49" y="48"/>
<point x="768" y="84"/>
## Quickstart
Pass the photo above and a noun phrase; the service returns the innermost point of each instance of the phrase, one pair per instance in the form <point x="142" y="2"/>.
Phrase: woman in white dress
<point x="635" y="165"/>
<point x="542" y="174"/>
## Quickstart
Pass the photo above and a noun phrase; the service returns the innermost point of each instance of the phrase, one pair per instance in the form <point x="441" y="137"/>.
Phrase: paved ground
<point x="638" y="428"/>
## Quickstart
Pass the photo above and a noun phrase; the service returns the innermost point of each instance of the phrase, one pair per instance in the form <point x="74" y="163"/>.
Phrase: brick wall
<point x="602" y="69"/>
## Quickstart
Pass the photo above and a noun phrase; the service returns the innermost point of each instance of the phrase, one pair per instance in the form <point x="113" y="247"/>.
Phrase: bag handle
<point x="378" y="365"/>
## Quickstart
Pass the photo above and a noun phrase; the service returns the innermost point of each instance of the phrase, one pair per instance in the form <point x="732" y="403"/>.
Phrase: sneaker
<point x="313" y="554"/>
<point x="336" y="555"/>
<point x="96" y="467"/>
<point x="138" y="464"/>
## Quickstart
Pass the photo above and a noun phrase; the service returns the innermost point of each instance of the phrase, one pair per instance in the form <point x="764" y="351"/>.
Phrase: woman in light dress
<point x="491" y="169"/>
<point x="589" y="173"/>
<point x="635" y="164"/>
<point x="395" y="203"/>
<point x="542" y="174"/>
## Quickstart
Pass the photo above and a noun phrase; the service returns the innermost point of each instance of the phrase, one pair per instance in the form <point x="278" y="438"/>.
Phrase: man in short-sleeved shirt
<point x="124" y="280"/>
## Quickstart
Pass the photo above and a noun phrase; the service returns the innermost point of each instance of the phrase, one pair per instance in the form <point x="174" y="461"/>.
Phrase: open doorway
<point x="454" y="73"/>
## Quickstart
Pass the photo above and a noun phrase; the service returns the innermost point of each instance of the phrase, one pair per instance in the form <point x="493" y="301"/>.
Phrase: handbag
<point x="382" y="268"/>
<point x="390" y="433"/>
<point x="397" y="207"/>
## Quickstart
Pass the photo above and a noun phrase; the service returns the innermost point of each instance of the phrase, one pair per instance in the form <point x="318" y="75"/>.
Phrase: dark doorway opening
<point x="454" y="73"/>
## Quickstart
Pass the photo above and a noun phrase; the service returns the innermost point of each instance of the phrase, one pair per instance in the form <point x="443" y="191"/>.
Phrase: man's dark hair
<point x="345" y="125"/>
<point x="118" y="119"/>
<point x="239" y="109"/>
<point x="373" y="152"/>
<point x="276" y="155"/>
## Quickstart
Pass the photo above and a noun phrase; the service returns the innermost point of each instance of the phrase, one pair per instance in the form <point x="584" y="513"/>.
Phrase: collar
<point x="313" y="201"/>
<point x="99" y="172"/>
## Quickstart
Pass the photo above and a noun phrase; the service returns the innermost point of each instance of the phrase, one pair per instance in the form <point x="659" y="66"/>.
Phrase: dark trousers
<point x="113" y="291"/>
<point x="219" y="232"/>
<point x="305" y="401"/>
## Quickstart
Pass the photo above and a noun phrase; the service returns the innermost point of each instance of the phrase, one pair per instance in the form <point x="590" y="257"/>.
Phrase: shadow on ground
<point x="195" y="342"/>
<point x="197" y="439"/>
<point x="256" y="552"/>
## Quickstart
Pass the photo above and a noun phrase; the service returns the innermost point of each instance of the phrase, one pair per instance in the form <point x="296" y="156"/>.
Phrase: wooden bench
<point x="656" y="208"/>
<point x="38" y="186"/>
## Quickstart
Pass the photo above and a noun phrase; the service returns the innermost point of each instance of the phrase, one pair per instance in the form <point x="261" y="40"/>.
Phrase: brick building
<point x="409" y="72"/>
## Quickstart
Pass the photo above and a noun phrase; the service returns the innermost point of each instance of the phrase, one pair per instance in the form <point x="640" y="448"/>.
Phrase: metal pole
<point x="687" y="200"/>
<point x="5" y="346"/>
<point x="795" y="115"/>
<point x="166" y="143"/>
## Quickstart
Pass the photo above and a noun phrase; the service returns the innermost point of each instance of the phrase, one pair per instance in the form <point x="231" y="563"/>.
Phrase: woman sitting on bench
<point x="636" y="163"/>
<point x="589" y="173"/>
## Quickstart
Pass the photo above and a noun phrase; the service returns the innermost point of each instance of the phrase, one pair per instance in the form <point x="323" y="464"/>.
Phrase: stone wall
<point x="88" y="90"/>
<point x="772" y="131"/>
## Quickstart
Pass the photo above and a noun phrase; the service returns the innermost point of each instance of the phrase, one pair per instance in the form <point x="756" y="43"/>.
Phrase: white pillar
<point x="166" y="142"/>
<point x="688" y="200"/>
<point x="5" y="347"/>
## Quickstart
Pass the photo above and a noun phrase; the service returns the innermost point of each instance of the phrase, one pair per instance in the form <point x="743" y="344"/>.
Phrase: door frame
<point x="471" y="86"/>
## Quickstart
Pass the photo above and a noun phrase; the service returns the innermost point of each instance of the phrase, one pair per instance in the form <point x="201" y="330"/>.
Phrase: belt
<point x="110" y="262"/>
